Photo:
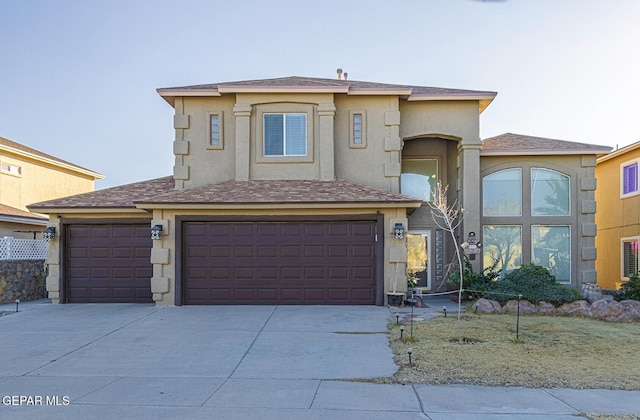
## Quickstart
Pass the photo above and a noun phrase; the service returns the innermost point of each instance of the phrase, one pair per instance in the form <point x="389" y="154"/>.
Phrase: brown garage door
<point x="279" y="263"/>
<point x="108" y="263"/>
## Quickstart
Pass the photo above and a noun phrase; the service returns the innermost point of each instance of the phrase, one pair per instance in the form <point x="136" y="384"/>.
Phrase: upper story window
<point x="419" y="178"/>
<point x="502" y="193"/>
<point x="11" y="169"/>
<point x="215" y="132"/>
<point x="550" y="193"/>
<point x="285" y="134"/>
<point x="629" y="179"/>
<point x="358" y="129"/>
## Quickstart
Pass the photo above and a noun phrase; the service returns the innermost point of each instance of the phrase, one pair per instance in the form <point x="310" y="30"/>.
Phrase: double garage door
<point x="294" y="262"/>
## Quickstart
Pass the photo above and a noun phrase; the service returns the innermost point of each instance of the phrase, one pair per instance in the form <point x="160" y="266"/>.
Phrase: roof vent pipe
<point x="339" y="74"/>
<point x="345" y="75"/>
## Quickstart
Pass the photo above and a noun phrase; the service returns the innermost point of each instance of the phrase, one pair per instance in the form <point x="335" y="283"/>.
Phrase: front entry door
<point x="419" y="257"/>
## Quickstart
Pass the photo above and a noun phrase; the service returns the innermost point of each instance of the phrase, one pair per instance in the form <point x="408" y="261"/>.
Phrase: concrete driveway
<point x="265" y="362"/>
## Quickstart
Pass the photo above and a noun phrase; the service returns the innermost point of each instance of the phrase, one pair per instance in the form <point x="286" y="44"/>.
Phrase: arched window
<point x="549" y="193"/>
<point x="502" y="193"/>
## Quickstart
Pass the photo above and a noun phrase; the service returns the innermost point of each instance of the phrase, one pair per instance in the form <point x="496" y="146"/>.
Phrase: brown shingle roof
<point x="296" y="82"/>
<point x="22" y="148"/>
<point x="14" y="212"/>
<point x="512" y="144"/>
<point x="279" y="192"/>
<point x="122" y="196"/>
<point x="161" y="192"/>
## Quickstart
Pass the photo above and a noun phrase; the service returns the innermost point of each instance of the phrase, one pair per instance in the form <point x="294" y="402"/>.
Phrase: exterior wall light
<point x="49" y="233"/>
<point x="472" y="247"/>
<point x="398" y="231"/>
<point x="156" y="232"/>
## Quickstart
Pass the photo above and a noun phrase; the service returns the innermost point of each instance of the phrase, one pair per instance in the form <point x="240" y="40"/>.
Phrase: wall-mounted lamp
<point x="49" y="233"/>
<point x="398" y="231"/>
<point x="472" y="247"/>
<point x="156" y="232"/>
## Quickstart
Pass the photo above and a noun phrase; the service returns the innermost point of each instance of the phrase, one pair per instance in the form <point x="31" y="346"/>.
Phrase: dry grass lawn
<point x="551" y="352"/>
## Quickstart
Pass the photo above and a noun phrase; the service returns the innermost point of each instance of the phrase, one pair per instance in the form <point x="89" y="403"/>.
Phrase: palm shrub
<point x="534" y="283"/>
<point x="631" y="288"/>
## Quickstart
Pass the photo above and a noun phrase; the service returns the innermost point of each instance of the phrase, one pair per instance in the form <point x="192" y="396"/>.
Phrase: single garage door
<point x="108" y="263"/>
<point x="330" y="263"/>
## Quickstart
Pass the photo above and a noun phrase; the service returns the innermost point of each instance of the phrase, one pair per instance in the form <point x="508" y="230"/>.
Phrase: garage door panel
<point x="108" y="263"/>
<point x="271" y="263"/>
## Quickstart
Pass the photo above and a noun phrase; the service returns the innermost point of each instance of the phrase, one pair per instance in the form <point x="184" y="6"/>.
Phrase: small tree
<point x="448" y="218"/>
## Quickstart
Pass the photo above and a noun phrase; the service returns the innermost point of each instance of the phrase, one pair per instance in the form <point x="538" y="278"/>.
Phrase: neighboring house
<point x="290" y="190"/>
<point x="28" y="175"/>
<point x="618" y="216"/>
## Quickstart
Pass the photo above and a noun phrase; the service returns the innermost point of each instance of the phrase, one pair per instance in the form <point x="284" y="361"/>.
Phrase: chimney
<point x="339" y="74"/>
<point x="346" y="75"/>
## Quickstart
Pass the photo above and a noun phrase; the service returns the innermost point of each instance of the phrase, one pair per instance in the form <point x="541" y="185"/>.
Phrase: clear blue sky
<point x="78" y="77"/>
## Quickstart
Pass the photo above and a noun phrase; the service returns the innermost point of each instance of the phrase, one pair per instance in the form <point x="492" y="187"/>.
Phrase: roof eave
<point x="273" y="206"/>
<point x="541" y="152"/>
<point x="483" y="100"/>
<point x="619" y="152"/>
<point x="54" y="162"/>
<point x="85" y="210"/>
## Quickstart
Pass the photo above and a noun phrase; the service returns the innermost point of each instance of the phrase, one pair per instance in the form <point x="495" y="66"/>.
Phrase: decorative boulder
<point x="487" y="306"/>
<point x="591" y="292"/>
<point x="632" y="308"/>
<point x="545" y="308"/>
<point x="526" y="307"/>
<point x="577" y="308"/>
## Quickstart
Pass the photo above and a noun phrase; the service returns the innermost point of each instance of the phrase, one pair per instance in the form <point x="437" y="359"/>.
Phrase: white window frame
<point x="353" y="139"/>
<point x="622" y="167"/>
<point x="284" y="134"/>
<point x="630" y="239"/>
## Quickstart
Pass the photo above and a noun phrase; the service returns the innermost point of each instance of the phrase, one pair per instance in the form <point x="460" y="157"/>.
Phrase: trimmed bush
<point x="476" y="283"/>
<point x="534" y="283"/>
<point x="630" y="289"/>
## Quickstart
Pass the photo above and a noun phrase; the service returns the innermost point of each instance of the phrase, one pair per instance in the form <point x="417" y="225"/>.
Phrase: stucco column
<point x="242" y="113"/>
<point x="469" y="152"/>
<point x="326" y="113"/>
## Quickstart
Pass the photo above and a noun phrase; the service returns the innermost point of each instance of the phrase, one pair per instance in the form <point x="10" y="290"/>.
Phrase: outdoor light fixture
<point x="401" y="331"/>
<point x="476" y="306"/>
<point x="444" y="309"/>
<point x="409" y="352"/>
<point x="156" y="232"/>
<point x="398" y="231"/>
<point x="17" y="303"/>
<point x="49" y="233"/>
<point x="397" y="317"/>
<point x="471" y="247"/>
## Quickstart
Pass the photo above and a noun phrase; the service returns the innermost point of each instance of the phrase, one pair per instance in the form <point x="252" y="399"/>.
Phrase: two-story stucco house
<point x="291" y="190"/>
<point x="618" y="216"/>
<point x="28" y="175"/>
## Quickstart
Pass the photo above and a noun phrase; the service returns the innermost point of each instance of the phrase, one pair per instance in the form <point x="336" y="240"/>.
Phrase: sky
<point x="78" y="78"/>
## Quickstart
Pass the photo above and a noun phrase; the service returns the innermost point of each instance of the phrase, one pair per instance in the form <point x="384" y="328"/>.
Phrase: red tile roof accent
<point x="510" y="143"/>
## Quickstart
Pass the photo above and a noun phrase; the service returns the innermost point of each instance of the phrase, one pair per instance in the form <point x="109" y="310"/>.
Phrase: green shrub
<point x="476" y="283"/>
<point x="534" y="283"/>
<point x="631" y="288"/>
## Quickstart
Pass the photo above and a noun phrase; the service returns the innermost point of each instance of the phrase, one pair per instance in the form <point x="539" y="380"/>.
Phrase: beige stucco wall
<point x="581" y="170"/>
<point x="10" y="229"/>
<point x="39" y="181"/>
<point x="616" y="218"/>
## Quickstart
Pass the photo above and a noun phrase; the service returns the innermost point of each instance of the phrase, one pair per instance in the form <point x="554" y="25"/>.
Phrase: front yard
<point x="551" y="352"/>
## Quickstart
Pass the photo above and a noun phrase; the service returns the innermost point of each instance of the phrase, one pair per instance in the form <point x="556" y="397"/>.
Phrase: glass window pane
<point x="502" y="244"/>
<point x="296" y="134"/>
<point x="215" y="130"/>
<point x="629" y="257"/>
<point x="273" y="135"/>
<point x="550" y="248"/>
<point x="357" y="129"/>
<point x="549" y="193"/>
<point x="630" y="178"/>
<point x="419" y="178"/>
<point x="502" y="193"/>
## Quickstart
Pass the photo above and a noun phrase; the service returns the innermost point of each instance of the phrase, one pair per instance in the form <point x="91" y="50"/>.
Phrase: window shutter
<point x="630" y="179"/>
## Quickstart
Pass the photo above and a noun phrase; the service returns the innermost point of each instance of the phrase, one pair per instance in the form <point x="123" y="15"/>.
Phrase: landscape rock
<point x="545" y="308"/>
<point x="526" y="307"/>
<point x="577" y="308"/>
<point x="591" y="292"/>
<point x="610" y="311"/>
<point x="486" y="306"/>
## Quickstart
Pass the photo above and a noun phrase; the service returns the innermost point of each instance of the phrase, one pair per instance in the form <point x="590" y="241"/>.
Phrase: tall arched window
<point x="549" y="193"/>
<point x="502" y="193"/>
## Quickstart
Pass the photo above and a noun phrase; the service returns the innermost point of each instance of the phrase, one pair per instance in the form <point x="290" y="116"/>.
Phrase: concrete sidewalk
<point x="266" y="362"/>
